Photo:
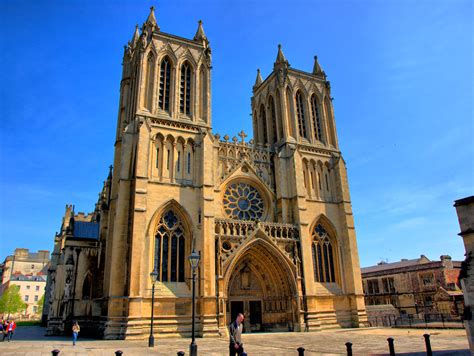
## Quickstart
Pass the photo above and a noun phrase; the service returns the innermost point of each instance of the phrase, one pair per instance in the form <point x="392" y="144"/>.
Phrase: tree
<point x="11" y="302"/>
<point x="40" y="305"/>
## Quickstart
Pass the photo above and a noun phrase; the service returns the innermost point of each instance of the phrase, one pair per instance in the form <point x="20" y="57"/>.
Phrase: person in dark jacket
<point x="236" y="347"/>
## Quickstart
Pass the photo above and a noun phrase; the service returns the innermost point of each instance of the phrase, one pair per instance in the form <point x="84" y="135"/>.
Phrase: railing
<point x="433" y="320"/>
<point x="239" y="229"/>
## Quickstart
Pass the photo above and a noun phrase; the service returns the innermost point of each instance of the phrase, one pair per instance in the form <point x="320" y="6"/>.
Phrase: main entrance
<point x="261" y="288"/>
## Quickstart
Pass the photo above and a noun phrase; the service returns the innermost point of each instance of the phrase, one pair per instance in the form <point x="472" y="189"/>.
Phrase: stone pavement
<point x="368" y="341"/>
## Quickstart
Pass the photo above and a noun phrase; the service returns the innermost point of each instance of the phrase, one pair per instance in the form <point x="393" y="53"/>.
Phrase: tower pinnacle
<point x="280" y="56"/>
<point x="317" y="68"/>
<point x="136" y="36"/>
<point x="200" y="35"/>
<point x="258" y="80"/>
<point x="151" y="18"/>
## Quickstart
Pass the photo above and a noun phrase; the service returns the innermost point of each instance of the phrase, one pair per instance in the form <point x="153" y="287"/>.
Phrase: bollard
<point x="391" y="346"/>
<point x="349" y="348"/>
<point x="118" y="353"/>
<point x="55" y="352"/>
<point x="180" y="353"/>
<point x="428" y="345"/>
<point x="300" y="351"/>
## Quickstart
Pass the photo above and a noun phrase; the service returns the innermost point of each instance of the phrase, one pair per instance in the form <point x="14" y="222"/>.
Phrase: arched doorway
<point x="262" y="286"/>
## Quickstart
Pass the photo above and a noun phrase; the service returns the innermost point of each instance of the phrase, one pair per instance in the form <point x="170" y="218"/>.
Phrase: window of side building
<point x="388" y="285"/>
<point x="427" y="279"/>
<point x="373" y="286"/>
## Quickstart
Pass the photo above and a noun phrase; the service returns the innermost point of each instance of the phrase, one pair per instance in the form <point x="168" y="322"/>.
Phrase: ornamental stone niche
<point x="270" y="217"/>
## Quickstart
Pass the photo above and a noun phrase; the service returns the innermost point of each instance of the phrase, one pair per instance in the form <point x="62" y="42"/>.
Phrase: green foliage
<point x="40" y="305"/>
<point x="11" y="302"/>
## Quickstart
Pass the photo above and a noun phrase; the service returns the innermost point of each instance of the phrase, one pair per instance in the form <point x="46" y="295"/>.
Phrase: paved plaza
<point x="369" y="341"/>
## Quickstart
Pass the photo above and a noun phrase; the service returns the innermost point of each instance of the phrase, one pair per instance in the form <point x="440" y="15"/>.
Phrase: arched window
<point x="165" y="80"/>
<point x="203" y="106"/>
<point x="263" y="125"/>
<point x="273" y="121"/>
<point x="289" y="111"/>
<point x="318" y="130"/>
<point x="329" y="121"/>
<point x="323" y="256"/>
<point x="300" y="114"/>
<point x="150" y="74"/>
<point x="185" y="89"/>
<point x="170" y="248"/>
<point x="87" y="288"/>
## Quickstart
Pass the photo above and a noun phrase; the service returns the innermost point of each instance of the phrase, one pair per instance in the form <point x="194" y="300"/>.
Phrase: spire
<point x="151" y="18"/>
<point x="135" y="37"/>
<point x="200" y="35"/>
<point x="258" y="80"/>
<point x="280" y="67"/>
<point x="317" y="68"/>
<point x="280" y="56"/>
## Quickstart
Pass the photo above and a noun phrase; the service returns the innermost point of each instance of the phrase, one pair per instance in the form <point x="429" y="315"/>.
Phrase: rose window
<point x="243" y="202"/>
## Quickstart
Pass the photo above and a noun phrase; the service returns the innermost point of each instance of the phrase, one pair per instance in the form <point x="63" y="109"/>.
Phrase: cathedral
<point x="270" y="217"/>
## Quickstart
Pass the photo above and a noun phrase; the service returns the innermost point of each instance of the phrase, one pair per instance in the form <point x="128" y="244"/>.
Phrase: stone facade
<point x="27" y="270"/>
<point x="270" y="217"/>
<point x="416" y="287"/>
<point x="465" y="210"/>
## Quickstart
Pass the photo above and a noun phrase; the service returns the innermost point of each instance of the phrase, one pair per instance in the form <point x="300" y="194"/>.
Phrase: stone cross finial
<point x="242" y="135"/>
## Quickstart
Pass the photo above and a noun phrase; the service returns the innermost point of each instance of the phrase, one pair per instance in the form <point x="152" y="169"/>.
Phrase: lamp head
<point x="154" y="276"/>
<point x="194" y="258"/>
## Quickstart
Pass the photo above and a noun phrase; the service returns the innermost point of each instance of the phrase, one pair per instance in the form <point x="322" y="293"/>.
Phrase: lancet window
<point x="263" y="124"/>
<point x="323" y="256"/>
<point x="318" y="130"/>
<point x="185" y="89"/>
<point x="165" y="80"/>
<point x="329" y="121"/>
<point x="300" y="113"/>
<point x="273" y="120"/>
<point x="170" y="248"/>
<point x="150" y="74"/>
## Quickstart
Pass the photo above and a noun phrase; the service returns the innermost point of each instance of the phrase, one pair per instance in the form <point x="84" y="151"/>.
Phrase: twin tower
<point x="270" y="217"/>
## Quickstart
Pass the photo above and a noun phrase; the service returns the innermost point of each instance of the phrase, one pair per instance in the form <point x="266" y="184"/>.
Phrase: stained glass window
<point x="170" y="248"/>
<point x="243" y="202"/>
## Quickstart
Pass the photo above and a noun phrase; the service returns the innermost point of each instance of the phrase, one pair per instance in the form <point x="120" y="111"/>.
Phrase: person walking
<point x="236" y="347"/>
<point x="11" y="329"/>
<point x="75" y="332"/>
<point x="2" y="330"/>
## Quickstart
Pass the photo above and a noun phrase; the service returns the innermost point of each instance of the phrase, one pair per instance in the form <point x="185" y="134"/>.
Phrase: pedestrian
<point x="11" y="326"/>
<point x="2" y="331"/>
<point x="75" y="332"/>
<point x="236" y="347"/>
<point x="5" y="324"/>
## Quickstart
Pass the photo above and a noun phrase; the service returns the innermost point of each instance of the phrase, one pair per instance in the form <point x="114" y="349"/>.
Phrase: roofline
<point x="412" y="268"/>
<point x="179" y="39"/>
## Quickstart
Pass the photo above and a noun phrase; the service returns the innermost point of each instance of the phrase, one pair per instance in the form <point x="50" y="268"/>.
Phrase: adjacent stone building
<point x="27" y="270"/>
<point x="415" y="287"/>
<point x="271" y="217"/>
<point x="465" y="210"/>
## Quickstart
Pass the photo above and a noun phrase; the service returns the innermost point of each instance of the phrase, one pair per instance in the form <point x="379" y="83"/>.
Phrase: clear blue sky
<point x="401" y="75"/>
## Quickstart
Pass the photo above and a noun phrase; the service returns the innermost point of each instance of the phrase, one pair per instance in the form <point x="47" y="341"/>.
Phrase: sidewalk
<point x="30" y="341"/>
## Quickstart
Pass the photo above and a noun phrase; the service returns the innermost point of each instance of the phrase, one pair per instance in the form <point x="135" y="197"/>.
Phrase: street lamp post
<point x="194" y="258"/>
<point x="154" y="277"/>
